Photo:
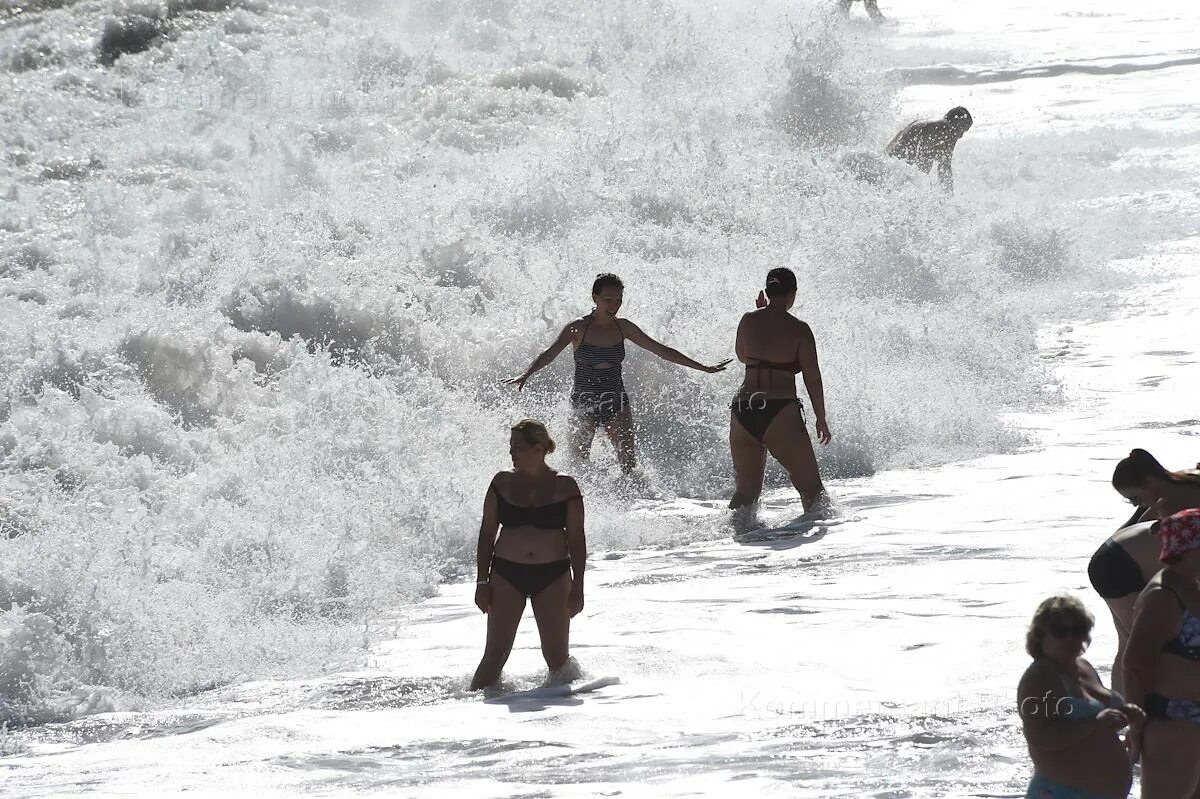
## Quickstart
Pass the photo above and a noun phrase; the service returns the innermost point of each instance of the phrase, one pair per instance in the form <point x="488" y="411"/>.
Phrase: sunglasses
<point x="1059" y="630"/>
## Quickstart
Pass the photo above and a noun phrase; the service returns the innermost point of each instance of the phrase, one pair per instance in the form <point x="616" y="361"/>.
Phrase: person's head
<point x="1179" y="540"/>
<point x="1143" y="481"/>
<point x="781" y="285"/>
<point x="607" y="292"/>
<point x="1061" y="629"/>
<point x="529" y="444"/>
<point x="959" y="119"/>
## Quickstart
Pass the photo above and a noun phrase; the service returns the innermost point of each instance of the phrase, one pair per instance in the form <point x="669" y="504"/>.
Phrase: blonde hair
<point x="1054" y="609"/>
<point x="534" y="434"/>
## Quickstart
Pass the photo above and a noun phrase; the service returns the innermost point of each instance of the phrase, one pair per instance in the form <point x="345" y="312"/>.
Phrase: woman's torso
<point x="599" y="351"/>
<point x="1177" y="665"/>
<point x="771" y="352"/>
<point x="533" y="516"/>
<point x="1097" y="763"/>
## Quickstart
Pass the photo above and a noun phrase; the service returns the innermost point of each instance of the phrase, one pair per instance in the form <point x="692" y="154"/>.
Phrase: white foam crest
<point x="252" y="393"/>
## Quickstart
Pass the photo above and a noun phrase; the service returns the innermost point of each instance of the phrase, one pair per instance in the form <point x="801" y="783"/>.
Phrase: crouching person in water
<point x="930" y="143"/>
<point x="539" y="554"/>
<point x="1071" y="721"/>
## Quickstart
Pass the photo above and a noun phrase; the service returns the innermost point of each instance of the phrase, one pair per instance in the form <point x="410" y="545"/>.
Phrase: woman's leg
<point x="582" y="431"/>
<point x="1122" y="614"/>
<point x="788" y="442"/>
<point x="1170" y="767"/>
<point x="554" y="620"/>
<point x="749" y="464"/>
<point x="504" y="616"/>
<point x="620" y="433"/>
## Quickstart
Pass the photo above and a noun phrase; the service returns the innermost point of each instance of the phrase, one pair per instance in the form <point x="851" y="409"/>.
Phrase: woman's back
<point x="769" y="335"/>
<point x="769" y="344"/>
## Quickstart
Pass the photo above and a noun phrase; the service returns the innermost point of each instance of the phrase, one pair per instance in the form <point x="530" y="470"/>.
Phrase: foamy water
<point x="260" y="281"/>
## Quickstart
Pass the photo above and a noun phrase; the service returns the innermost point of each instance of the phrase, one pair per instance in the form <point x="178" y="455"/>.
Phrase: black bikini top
<point x="551" y="516"/>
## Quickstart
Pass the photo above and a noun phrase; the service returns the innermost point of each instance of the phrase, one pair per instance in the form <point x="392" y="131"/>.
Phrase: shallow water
<point x="260" y="280"/>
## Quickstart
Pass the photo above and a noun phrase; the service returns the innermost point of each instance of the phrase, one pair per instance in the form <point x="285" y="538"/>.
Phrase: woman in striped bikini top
<point x="598" y="392"/>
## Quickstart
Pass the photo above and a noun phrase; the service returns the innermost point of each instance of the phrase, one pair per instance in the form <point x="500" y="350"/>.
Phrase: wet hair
<point x="1140" y="466"/>
<point x="1056" y="608"/>
<point x="959" y="114"/>
<point x="605" y="280"/>
<point x="781" y="282"/>
<point x="534" y="433"/>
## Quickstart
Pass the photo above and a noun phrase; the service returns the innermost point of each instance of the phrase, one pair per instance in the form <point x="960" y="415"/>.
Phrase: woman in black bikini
<point x="539" y="555"/>
<point x="766" y="416"/>
<point x="1162" y="661"/>
<point x="1124" y="564"/>
<point x="598" y="395"/>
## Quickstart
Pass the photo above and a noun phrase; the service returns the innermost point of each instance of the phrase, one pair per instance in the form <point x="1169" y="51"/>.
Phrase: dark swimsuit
<point x="1184" y="644"/>
<point x="756" y="412"/>
<point x="1113" y="571"/>
<point x="531" y="578"/>
<point x="599" y="392"/>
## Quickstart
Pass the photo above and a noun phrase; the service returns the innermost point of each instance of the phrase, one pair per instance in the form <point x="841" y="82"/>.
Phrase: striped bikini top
<point x="589" y="378"/>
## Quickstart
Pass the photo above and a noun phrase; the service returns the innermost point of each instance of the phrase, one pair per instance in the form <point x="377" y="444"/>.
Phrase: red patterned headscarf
<point x="1178" y="534"/>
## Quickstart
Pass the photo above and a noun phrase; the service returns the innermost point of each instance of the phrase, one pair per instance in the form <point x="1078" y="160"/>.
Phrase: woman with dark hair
<point x="1124" y="564"/>
<point x="539" y="554"/>
<point x="598" y="395"/>
<point x="1070" y="720"/>
<point x="1162" y="662"/>
<point x="766" y="415"/>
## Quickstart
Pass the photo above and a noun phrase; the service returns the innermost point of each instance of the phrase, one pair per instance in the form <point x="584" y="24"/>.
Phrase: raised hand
<point x="761" y="302"/>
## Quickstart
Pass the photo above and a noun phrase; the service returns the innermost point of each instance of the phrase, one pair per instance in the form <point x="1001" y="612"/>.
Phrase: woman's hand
<point x="761" y="301"/>
<point x="1133" y="738"/>
<point x="483" y="596"/>
<point x="1113" y="718"/>
<point x="519" y="382"/>
<point x="575" y="599"/>
<point x="823" y="434"/>
<point x="1136" y="716"/>
<point x="719" y="367"/>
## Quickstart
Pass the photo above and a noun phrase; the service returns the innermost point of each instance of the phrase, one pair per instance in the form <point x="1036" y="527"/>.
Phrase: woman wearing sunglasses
<point x="1124" y="564"/>
<point x="1162" y="662"/>
<point x="1072" y="723"/>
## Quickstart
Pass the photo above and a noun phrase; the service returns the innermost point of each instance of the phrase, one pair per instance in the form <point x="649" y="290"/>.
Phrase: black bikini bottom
<point x="530" y="578"/>
<point x="1160" y="707"/>
<point x="1113" y="572"/>
<point x="756" y="413"/>
<point x="600" y="405"/>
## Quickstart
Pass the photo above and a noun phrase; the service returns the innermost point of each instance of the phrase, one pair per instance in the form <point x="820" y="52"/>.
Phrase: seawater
<point x="259" y="283"/>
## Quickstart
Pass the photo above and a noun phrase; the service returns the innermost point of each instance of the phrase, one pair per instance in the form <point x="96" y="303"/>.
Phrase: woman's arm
<point x="546" y="358"/>
<point x="739" y="346"/>
<point x="635" y="334"/>
<point x="813" y="384"/>
<point x="1155" y="620"/>
<point x="486" y="548"/>
<point x="576" y="546"/>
